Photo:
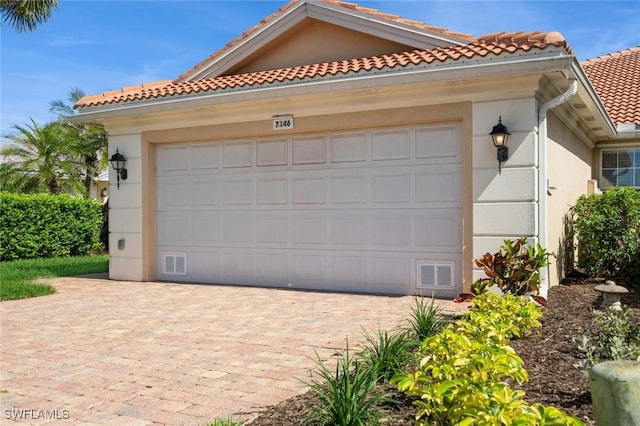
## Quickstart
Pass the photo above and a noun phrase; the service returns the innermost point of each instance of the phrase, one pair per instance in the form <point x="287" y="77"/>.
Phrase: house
<point x="336" y="147"/>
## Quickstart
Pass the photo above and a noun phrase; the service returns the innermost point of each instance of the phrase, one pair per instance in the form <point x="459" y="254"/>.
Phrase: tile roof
<point x="616" y="79"/>
<point x="346" y="5"/>
<point x="487" y="46"/>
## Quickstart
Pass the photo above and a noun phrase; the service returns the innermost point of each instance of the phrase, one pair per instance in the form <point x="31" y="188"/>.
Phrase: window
<point x="620" y="167"/>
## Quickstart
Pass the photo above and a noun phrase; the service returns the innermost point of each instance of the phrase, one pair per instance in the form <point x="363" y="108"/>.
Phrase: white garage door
<point x="375" y="210"/>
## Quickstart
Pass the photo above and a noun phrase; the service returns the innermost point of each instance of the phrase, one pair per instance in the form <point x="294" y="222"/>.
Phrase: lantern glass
<point x="500" y="134"/>
<point x="117" y="161"/>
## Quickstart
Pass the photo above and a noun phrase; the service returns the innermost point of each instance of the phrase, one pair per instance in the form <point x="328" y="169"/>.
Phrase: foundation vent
<point x="174" y="264"/>
<point x="435" y="275"/>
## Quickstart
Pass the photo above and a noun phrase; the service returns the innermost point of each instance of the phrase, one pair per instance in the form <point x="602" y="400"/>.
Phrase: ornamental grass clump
<point x="346" y="398"/>
<point x="388" y="352"/>
<point x="426" y="319"/>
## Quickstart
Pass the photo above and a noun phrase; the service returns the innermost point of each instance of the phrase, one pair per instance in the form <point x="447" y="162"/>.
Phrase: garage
<point x="365" y="210"/>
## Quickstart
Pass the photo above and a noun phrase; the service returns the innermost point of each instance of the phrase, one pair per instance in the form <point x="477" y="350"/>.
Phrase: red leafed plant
<point x="514" y="269"/>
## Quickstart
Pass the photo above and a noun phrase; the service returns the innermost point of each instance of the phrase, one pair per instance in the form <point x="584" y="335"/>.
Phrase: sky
<point x="105" y="45"/>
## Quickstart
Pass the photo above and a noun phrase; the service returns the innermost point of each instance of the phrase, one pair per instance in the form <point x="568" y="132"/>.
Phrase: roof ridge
<point x="347" y="5"/>
<point x="611" y="55"/>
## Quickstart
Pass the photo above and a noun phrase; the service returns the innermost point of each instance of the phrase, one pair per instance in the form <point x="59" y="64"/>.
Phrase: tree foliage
<point x="39" y="159"/>
<point x="26" y="15"/>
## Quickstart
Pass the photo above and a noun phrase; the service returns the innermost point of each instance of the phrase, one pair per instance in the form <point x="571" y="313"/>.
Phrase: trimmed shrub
<point x="608" y="231"/>
<point x="465" y="374"/>
<point x="33" y="226"/>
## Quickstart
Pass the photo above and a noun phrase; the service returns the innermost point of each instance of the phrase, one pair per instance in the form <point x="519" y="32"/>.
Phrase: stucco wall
<point x="126" y="212"/>
<point x="316" y="42"/>
<point x="504" y="205"/>
<point x="569" y="169"/>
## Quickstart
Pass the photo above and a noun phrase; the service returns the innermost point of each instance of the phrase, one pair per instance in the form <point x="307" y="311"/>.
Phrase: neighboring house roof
<point x="616" y="79"/>
<point x="488" y="46"/>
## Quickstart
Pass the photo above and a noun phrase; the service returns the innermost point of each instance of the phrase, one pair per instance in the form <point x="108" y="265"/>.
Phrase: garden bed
<point x="549" y="356"/>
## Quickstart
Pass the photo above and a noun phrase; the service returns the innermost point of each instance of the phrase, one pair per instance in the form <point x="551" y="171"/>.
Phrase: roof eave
<point x="459" y="70"/>
<point x="588" y="92"/>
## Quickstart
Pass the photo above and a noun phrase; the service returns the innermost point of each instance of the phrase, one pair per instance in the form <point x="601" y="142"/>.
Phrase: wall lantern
<point x="500" y="135"/>
<point x="117" y="162"/>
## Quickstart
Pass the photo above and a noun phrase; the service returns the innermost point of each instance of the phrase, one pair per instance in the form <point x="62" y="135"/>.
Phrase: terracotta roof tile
<point x="531" y="38"/>
<point x="327" y="70"/>
<point x="351" y="6"/>
<point x="616" y="79"/>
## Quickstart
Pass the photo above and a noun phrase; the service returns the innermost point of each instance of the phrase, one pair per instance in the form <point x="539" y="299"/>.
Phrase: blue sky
<point x="105" y="45"/>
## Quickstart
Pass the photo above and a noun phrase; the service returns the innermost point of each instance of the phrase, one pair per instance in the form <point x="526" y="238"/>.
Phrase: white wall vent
<point x="435" y="275"/>
<point x="174" y="264"/>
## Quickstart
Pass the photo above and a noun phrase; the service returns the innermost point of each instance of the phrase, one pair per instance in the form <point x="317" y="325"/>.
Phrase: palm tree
<point x="26" y="15"/>
<point x="89" y="142"/>
<point x="40" y="159"/>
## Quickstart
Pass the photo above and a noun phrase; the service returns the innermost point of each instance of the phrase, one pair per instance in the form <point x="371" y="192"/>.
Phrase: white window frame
<point x="604" y="182"/>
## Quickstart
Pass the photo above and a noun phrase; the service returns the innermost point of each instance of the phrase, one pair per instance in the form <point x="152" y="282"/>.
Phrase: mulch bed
<point x="549" y="356"/>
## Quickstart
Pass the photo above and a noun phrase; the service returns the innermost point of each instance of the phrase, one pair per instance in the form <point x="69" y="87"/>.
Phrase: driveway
<point x="131" y="353"/>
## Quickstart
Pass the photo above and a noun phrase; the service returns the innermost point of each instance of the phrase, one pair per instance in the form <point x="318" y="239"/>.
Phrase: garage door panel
<point x="205" y="228"/>
<point x="173" y="192"/>
<point x="237" y="192"/>
<point x="395" y="188"/>
<point x="237" y="154"/>
<point x="272" y="229"/>
<point x="391" y="229"/>
<point x="273" y="190"/>
<point x="237" y="227"/>
<point x="272" y="153"/>
<point x="309" y="190"/>
<point x="309" y="229"/>
<point x="205" y="157"/>
<point x="173" y="159"/>
<point x="205" y="191"/>
<point x="237" y="266"/>
<point x="271" y="268"/>
<point x="309" y="268"/>
<point x="348" y="147"/>
<point x="174" y="228"/>
<point x="347" y="229"/>
<point x="275" y="212"/>
<point x="348" y="269"/>
<point x="388" y="271"/>
<point x="204" y="264"/>
<point x="309" y="150"/>
<point x="437" y="142"/>
<point x="439" y="229"/>
<point x="437" y="186"/>
<point x="391" y="144"/>
<point x="348" y="189"/>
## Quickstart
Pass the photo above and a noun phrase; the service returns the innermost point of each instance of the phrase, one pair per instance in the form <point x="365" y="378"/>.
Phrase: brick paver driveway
<point x="108" y="352"/>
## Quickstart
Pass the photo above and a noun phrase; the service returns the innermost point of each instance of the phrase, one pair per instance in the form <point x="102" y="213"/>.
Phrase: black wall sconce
<point x="117" y="162"/>
<point x="500" y="135"/>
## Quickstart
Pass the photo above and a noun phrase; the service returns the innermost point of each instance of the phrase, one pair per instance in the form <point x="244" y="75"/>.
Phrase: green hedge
<point x="33" y="226"/>
<point x="607" y="226"/>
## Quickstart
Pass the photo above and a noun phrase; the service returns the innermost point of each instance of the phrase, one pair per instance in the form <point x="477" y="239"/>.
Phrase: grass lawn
<point x="16" y="278"/>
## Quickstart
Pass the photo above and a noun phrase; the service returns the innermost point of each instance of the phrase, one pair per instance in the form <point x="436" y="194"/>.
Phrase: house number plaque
<point x="282" y="122"/>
